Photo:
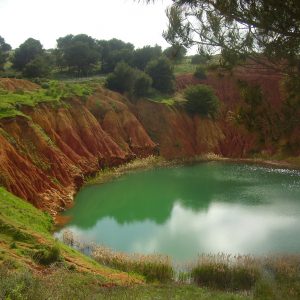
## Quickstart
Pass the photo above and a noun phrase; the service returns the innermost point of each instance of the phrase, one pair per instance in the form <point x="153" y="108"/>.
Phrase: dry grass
<point x="153" y="267"/>
<point x="147" y="163"/>
<point x="226" y="272"/>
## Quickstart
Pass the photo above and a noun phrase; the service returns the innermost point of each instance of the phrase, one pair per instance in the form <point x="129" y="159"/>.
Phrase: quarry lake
<point x="188" y="210"/>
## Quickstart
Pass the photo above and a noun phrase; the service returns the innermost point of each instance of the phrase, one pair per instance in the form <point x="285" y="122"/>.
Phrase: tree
<point x="122" y="79"/>
<point x="142" y="84"/>
<point x="126" y="79"/>
<point x="79" y="53"/>
<point x="38" y="67"/>
<point x="175" y="53"/>
<point x="201" y="100"/>
<point x="142" y="56"/>
<point x="161" y="72"/>
<point x="266" y="32"/>
<point x="112" y="52"/>
<point x="4" y="52"/>
<point x="27" y="52"/>
<point x="200" y="59"/>
<point x="239" y="29"/>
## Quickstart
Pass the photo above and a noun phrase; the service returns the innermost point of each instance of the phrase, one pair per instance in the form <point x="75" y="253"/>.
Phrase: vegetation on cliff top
<point x="11" y="102"/>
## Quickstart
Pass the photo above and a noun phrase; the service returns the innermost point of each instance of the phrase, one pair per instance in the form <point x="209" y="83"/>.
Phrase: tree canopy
<point x="27" y="51"/>
<point x="175" y="53"/>
<point x="112" y="52"/>
<point x="161" y="72"/>
<point x="201" y="100"/>
<point x="143" y="56"/>
<point x="4" y="52"/>
<point x="125" y="79"/>
<point x="239" y="29"/>
<point x="77" y="51"/>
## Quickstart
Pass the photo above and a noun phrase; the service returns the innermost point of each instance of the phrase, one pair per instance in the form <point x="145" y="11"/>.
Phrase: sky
<point x="47" y="20"/>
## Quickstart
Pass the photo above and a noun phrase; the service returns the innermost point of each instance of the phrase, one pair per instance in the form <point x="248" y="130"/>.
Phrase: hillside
<point x="50" y="138"/>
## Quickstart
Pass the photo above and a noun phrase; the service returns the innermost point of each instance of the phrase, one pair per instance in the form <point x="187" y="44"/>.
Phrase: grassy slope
<point x="25" y="231"/>
<point x="52" y="91"/>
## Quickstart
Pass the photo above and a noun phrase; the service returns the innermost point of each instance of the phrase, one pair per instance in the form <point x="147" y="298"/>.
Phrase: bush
<point x="48" y="256"/>
<point x="200" y="59"/>
<point x="127" y="79"/>
<point x="38" y="67"/>
<point x="122" y="79"/>
<point x="142" y="84"/>
<point x="201" y="100"/>
<point x="200" y="73"/>
<point x="161" y="72"/>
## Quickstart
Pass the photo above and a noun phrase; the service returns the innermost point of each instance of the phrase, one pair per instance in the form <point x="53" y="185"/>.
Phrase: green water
<point x="185" y="211"/>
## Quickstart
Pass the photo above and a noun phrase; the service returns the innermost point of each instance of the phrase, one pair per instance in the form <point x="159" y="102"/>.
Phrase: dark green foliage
<point x="27" y="52"/>
<point x="79" y="53"/>
<point x="291" y="115"/>
<point x="200" y="59"/>
<point x="38" y="67"/>
<point x="257" y="115"/>
<point x="175" y="53"/>
<point x="200" y="73"/>
<point x="47" y="256"/>
<point x="127" y="79"/>
<point x="142" y="84"/>
<point x="201" y="100"/>
<point x="4" y="52"/>
<point x="161" y="72"/>
<point x="142" y="56"/>
<point x="112" y="52"/>
<point x="116" y="56"/>
<point x="239" y="29"/>
<point x="122" y="79"/>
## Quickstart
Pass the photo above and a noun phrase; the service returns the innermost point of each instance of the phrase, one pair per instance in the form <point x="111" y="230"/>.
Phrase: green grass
<point x="51" y="91"/>
<point x="168" y="100"/>
<point x="18" y="213"/>
<point x="26" y="241"/>
<point x="184" y="67"/>
<point x="63" y="283"/>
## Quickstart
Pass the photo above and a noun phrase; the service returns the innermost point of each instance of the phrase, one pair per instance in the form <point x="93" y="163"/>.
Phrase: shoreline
<point x="152" y="162"/>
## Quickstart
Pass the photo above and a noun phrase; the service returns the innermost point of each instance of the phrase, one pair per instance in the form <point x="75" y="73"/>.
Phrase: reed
<point x="226" y="272"/>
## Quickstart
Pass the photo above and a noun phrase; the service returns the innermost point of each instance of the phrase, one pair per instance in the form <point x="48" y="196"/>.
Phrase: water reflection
<point x="185" y="211"/>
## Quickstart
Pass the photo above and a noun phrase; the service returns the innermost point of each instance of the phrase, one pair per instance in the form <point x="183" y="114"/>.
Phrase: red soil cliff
<point x="45" y="154"/>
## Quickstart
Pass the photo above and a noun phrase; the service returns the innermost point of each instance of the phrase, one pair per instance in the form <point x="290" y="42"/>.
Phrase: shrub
<point x="200" y="73"/>
<point x="161" y="72"/>
<point x="48" y="256"/>
<point x="127" y="79"/>
<point x="122" y="79"/>
<point x="142" y="84"/>
<point x="200" y="59"/>
<point x="201" y="100"/>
